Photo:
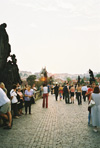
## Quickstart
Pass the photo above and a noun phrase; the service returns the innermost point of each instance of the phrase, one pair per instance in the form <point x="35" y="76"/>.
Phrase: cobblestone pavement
<point x="60" y="126"/>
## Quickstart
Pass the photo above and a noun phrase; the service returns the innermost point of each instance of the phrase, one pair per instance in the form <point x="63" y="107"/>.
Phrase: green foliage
<point x="98" y="75"/>
<point x="50" y="80"/>
<point x="69" y="79"/>
<point x="31" y="79"/>
<point x="38" y="84"/>
<point x="82" y="81"/>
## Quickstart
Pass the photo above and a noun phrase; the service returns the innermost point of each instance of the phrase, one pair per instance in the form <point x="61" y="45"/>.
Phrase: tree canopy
<point x="31" y="79"/>
<point x="98" y="75"/>
<point x="69" y="79"/>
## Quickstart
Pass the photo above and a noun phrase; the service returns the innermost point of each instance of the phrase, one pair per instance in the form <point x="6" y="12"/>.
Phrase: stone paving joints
<point x="60" y="126"/>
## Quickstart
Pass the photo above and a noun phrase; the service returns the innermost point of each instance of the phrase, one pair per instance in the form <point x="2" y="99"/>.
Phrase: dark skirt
<point x="72" y="94"/>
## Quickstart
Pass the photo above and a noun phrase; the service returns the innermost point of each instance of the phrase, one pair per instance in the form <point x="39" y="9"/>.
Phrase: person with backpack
<point x="56" y="91"/>
<point x="66" y="93"/>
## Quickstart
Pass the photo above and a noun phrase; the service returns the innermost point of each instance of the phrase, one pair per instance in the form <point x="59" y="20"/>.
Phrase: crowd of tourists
<point x="85" y="92"/>
<point x="12" y="107"/>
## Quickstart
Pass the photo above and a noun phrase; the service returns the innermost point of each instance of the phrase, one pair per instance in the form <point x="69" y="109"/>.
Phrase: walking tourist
<point x="84" y="90"/>
<point x="95" y="110"/>
<point x="72" y="91"/>
<point x="66" y="93"/>
<point x="60" y="92"/>
<point x="45" y="95"/>
<point x="56" y="91"/>
<point x="48" y="88"/>
<point x="52" y="90"/>
<point x="79" y="94"/>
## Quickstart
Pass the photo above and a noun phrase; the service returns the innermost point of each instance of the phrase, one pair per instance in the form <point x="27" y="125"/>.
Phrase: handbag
<point x="92" y="103"/>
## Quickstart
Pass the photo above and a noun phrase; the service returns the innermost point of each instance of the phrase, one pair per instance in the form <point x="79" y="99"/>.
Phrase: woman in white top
<point x="95" y="110"/>
<point x="45" y="95"/>
<point x="14" y="101"/>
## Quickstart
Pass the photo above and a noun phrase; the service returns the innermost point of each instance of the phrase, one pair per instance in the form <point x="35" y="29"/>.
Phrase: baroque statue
<point x="9" y="72"/>
<point x="92" y="79"/>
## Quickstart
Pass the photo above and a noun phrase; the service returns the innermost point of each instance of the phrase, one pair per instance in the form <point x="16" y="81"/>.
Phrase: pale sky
<point x="63" y="35"/>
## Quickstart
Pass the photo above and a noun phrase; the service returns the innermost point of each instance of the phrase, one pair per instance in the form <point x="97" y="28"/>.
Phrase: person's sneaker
<point x="95" y="130"/>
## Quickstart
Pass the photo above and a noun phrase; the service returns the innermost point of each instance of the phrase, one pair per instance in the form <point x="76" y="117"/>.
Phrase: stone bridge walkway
<point x="60" y="126"/>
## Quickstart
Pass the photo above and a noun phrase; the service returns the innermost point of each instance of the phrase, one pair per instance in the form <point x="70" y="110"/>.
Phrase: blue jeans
<point x="60" y="95"/>
<point x="89" y="117"/>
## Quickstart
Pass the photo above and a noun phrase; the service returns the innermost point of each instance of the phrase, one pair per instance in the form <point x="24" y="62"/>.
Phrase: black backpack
<point x="65" y="89"/>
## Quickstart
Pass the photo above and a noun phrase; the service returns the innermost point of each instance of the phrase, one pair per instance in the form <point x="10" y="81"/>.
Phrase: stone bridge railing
<point x="38" y="95"/>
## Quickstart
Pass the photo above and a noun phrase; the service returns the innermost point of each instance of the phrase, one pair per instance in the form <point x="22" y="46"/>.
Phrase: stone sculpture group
<point x="9" y="72"/>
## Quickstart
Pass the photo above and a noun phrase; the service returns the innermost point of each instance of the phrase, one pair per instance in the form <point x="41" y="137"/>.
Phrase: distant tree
<point x="50" y="80"/>
<point x="39" y="84"/>
<point x="31" y="79"/>
<point x="98" y="75"/>
<point x="82" y="81"/>
<point x="69" y="79"/>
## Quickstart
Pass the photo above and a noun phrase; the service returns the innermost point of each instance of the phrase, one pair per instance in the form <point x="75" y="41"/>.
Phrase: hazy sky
<point x="63" y="35"/>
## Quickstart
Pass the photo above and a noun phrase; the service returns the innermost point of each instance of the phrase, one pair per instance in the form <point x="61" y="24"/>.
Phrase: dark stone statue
<point x="5" y="48"/>
<point x="9" y="72"/>
<point x="92" y="79"/>
<point x="79" y="80"/>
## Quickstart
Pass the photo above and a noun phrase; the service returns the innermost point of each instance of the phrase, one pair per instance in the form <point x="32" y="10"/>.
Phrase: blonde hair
<point x="2" y="84"/>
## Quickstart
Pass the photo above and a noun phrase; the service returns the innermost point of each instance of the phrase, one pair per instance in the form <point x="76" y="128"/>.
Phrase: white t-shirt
<point x="32" y="90"/>
<point x="3" y="98"/>
<point x="45" y="90"/>
<point x="14" y="95"/>
<point x="84" y="88"/>
<point x="11" y="91"/>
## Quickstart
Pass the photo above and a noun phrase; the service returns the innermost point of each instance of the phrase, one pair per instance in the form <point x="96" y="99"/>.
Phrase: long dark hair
<point x="96" y="90"/>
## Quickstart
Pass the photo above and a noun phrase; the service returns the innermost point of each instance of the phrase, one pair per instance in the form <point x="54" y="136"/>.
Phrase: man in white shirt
<point x="5" y="108"/>
<point x="84" y="90"/>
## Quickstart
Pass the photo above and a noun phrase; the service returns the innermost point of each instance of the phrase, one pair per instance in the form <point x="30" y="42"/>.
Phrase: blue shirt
<point x="29" y="93"/>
